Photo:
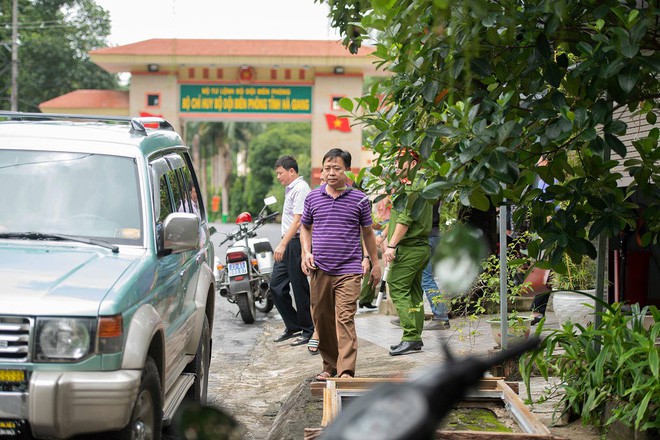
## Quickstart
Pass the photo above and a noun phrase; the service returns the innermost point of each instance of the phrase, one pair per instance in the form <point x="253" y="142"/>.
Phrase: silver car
<point x="106" y="285"/>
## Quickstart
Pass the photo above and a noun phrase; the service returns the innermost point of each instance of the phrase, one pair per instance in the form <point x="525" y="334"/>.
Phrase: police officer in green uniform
<point x="408" y="254"/>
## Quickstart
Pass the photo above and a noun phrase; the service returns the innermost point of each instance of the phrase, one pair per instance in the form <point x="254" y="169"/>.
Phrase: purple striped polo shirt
<point x="336" y="229"/>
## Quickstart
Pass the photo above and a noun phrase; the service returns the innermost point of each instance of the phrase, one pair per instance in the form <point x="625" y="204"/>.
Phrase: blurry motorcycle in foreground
<point x="244" y="276"/>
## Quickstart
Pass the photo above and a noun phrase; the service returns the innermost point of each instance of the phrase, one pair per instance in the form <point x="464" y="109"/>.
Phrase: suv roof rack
<point x="139" y="125"/>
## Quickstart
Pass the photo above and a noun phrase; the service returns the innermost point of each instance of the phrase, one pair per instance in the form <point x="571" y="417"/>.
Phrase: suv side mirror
<point x="180" y="233"/>
<point x="270" y="200"/>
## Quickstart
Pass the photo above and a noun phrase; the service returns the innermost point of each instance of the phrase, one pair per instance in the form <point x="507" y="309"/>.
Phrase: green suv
<point x="106" y="285"/>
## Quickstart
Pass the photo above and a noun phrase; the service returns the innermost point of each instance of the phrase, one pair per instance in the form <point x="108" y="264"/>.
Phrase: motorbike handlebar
<point x="239" y="234"/>
<point x="271" y="216"/>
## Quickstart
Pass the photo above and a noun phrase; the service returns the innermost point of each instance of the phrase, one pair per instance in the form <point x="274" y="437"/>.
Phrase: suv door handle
<point x="199" y="258"/>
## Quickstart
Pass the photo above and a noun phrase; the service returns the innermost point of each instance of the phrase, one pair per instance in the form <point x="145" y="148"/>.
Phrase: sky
<point x="138" y="20"/>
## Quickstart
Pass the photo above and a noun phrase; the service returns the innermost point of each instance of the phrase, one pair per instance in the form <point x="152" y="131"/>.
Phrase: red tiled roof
<point x="245" y="48"/>
<point x="87" y="98"/>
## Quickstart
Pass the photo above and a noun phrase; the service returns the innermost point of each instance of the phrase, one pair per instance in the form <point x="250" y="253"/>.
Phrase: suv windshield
<point x="77" y="194"/>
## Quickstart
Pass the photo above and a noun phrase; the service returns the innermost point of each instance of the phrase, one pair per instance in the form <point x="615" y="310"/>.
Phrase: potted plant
<point x="607" y="375"/>
<point x="568" y="297"/>
<point x="518" y="328"/>
<point x="483" y="298"/>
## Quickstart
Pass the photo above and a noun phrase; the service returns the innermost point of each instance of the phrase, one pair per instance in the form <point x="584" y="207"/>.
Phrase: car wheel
<point x="147" y="416"/>
<point x="200" y="366"/>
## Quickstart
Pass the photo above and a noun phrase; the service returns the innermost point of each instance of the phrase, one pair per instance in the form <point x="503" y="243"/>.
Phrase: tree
<point x="482" y="90"/>
<point x="277" y="140"/>
<point x="55" y="37"/>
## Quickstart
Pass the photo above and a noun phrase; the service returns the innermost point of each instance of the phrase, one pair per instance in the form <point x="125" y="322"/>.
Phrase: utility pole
<point x="14" y="57"/>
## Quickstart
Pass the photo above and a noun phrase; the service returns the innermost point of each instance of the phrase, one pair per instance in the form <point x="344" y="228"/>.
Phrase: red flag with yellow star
<point x="337" y="123"/>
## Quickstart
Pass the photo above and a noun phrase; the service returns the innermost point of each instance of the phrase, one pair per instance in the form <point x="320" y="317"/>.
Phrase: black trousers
<point x="288" y="274"/>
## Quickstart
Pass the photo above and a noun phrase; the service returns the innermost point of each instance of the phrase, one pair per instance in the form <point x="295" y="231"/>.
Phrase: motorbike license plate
<point x="235" y="269"/>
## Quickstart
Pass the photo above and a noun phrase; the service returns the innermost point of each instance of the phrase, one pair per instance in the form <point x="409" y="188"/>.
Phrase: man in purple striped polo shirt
<point x="334" y="217"/>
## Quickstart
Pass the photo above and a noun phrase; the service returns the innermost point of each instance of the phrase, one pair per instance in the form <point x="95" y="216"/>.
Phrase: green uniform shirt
<point x="418" y="229"/>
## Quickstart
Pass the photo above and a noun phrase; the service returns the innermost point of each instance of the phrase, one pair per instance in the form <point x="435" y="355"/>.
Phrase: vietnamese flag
<point x="337" y="123"/>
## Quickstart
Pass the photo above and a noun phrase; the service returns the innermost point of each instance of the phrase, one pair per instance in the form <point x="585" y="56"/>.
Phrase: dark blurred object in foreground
<point x="412" y="410"/>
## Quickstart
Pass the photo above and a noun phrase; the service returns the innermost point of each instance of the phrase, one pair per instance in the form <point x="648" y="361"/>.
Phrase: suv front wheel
<point x="200" y="367"/>
<point x="147" y="416"/>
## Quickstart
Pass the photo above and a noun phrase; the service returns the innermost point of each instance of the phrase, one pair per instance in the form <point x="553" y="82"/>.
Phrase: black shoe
<point x="406" y="347"/>
<point x="536" y="319"/>
<point x="286" y="335"/>
<point x="367" y="305"/>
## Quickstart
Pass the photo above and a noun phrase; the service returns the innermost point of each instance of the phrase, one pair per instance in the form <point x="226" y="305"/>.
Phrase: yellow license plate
<point x="7" y="425"/>
<point x="12" y="376"/>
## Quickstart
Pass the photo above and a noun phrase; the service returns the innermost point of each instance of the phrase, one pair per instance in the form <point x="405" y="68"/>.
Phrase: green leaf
<point x="552" y="74"/>
<point x="599" y="110"/>
<point x="543" y="47"/>
<point x="490" y="186"/>
<point x="434" y="190"/>
<point x="376" y="170"/>
<point x="426" y="146"/>
<point x="479" y="200"/>
<point x="651" y="117"/>
<point x="504" y="131"/>
<point x="628" y="78"/>
<point x="346" y="104"/>
<point x="615" y="144"/>
<point x="418" y="207"/>
<point x="441" y="130"/>
<point x="498" y="161"/>
<point x="584" y="47"/>
<point x="430" y="91"/>
<point x="400" y="200"/>
<point x="444" y="168"/>
<point x="350" y="175"/>
<point x="481" y="67"/>
<point x="612" y="68"/>
<point x="407" y="138"/>
<point x="641" y="411"/>
<point x="654" y="362"/>
<point x="616" y="127"/>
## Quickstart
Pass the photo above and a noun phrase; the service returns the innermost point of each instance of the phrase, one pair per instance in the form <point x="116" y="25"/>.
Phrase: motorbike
<point x="244" y="278"/>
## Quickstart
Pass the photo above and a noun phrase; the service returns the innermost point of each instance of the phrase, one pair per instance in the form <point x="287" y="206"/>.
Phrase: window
<point x="153" y="100"/>
<point x="334" y="105"/>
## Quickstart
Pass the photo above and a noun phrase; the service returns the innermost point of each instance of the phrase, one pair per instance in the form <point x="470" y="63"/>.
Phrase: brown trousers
<point x="334" y="304"/>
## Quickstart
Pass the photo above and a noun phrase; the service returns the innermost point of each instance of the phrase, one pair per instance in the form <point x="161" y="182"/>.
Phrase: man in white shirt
<point x="287" y="271"/>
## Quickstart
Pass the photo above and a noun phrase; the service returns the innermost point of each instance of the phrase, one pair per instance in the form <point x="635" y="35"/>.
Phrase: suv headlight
<point x="64" y="339"/>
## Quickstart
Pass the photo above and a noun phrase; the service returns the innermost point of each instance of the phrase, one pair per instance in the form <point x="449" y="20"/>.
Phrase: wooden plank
<point x="477" y="435"/>
<point x="312" y="433"/>
<point x="328" y="407"/>
<point x="316" y="388"/>
<point x="521" y="414"/>
<point x="315" y="433"/>
<point x="489" y="392"/>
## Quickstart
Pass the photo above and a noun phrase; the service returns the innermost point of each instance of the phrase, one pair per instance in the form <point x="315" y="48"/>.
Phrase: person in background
<point x="335" y="217"/>
<point x="440" y="320"/>
<point x="407" y="254"/>
<point x="287" y="269"/>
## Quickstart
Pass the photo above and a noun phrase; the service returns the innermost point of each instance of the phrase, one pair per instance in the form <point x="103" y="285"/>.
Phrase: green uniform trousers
<point x="405" y="282"/>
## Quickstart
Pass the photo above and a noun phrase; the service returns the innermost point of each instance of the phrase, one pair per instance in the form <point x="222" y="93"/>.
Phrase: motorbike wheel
<point x="264" y="304"/>
<point x="246" y="307"/>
